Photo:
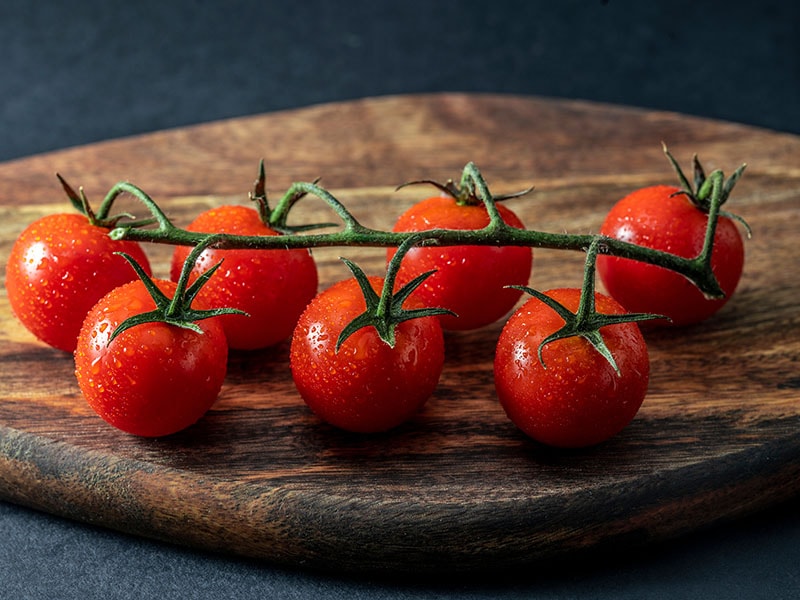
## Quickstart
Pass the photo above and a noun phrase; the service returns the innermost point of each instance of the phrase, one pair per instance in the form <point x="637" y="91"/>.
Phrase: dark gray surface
<point x="43" y="557"/>
<point x="80" y="72"/>
<point x="74" y="73"/>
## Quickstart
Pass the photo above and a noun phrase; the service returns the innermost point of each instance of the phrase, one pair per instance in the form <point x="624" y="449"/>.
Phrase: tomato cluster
<point x="366" y="353"/>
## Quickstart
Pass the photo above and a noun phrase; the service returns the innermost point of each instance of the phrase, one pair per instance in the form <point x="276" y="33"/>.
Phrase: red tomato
<point x="59" y="267"/>
<point x="656" y="218"/>
<point x="367" y="386"/>
<point x="153" y="379"/>
<point x="271" y="286"/>
<point x="469" y="280"/>
<point x="576" y="399"/>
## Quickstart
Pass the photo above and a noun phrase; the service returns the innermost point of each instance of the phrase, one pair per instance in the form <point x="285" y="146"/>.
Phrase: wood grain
<point x="458" y="488"/>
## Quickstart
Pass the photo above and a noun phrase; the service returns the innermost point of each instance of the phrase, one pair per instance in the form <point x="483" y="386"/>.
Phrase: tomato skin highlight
<point x="578" y="400"/>
<point x="656" y="218"/>
<point x="153" y="379"/>
<point x="367" y="386"/>
<point x="58" y="268"/>
<point x="271" y="286"/>
<point x="469" y="280"/>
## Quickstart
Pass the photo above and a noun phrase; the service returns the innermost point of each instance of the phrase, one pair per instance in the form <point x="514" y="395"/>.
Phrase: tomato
<point x="469" y="280"/>
<point x="576" y="398"/>
<point x="367" y="385"/>
<point x="659" y="217"/>
<point x="59" y="267"/>
<point x="153" y="379"/>
<point x="271" y="286"/>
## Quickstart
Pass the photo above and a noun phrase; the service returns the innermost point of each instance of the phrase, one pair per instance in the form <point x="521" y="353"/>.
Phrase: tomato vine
<point x="582" y="316"/>
<point x="353" y="233"/>
<point x="709" y="193"/>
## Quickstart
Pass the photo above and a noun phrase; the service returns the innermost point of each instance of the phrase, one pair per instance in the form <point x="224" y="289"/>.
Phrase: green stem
<point x="299" y="190"/>
<point x="586" y="306"/>
<point x="496" y="233"/>
<point x="473" y="175"/>
<point x="128" y="188"/>
<point x="387" y="294"/>
<point x="703" y="260"/>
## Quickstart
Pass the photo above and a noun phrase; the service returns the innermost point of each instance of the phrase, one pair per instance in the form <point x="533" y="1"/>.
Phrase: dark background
<point x="79" y="72"/>
<point x="75" y="73"/>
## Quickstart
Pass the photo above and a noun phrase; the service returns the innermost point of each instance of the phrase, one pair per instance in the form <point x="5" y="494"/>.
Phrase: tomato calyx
<point x="586" y="322"/>
<point x="176" y="311"/>
<point x="464" y="193"/>
<point x="276" y="218"/>
<point x="100" y="218"/>
<point x="700" y="191"/>
<point x="386" y="311"/>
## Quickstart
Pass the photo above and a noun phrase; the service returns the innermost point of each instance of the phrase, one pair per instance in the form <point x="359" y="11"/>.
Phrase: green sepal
<point x="385" y="312"/>
<point x="80" y="202"/>
<point x="587" y="327"/>
<point x="464" y="194"/>
<point x="276" y="218"/>
<point x="176" y="311"/>
<point x="586" y="321"/>
<point x="699" y="192"/>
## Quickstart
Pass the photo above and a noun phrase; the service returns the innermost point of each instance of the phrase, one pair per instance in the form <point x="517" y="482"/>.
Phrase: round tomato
<point x="662" y="218"/>
<point x="469" y="280"/>
<point x="59" y="267"/>
<point x="153" y="379"/>
<point x="576" y="398"/>
<point x="367" y="385"/>
<point x="271" y="286"/>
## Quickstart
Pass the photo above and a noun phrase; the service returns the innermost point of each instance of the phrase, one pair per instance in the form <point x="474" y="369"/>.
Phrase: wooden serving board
<point x="458" y="488"/>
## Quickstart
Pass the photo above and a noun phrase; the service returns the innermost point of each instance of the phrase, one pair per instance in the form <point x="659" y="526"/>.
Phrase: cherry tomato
<point x="469" y="280"/>
<point x="153" y="379"/>
<point x="271" y="286"/>
<point x="59" y="267"/>
<point x="576" y="398"/>
<point x="367" y="386"/>
<point x="660" y="218"/>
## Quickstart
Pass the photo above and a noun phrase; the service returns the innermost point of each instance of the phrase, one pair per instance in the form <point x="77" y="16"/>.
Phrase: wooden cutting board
<point x="458" y="488"/>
